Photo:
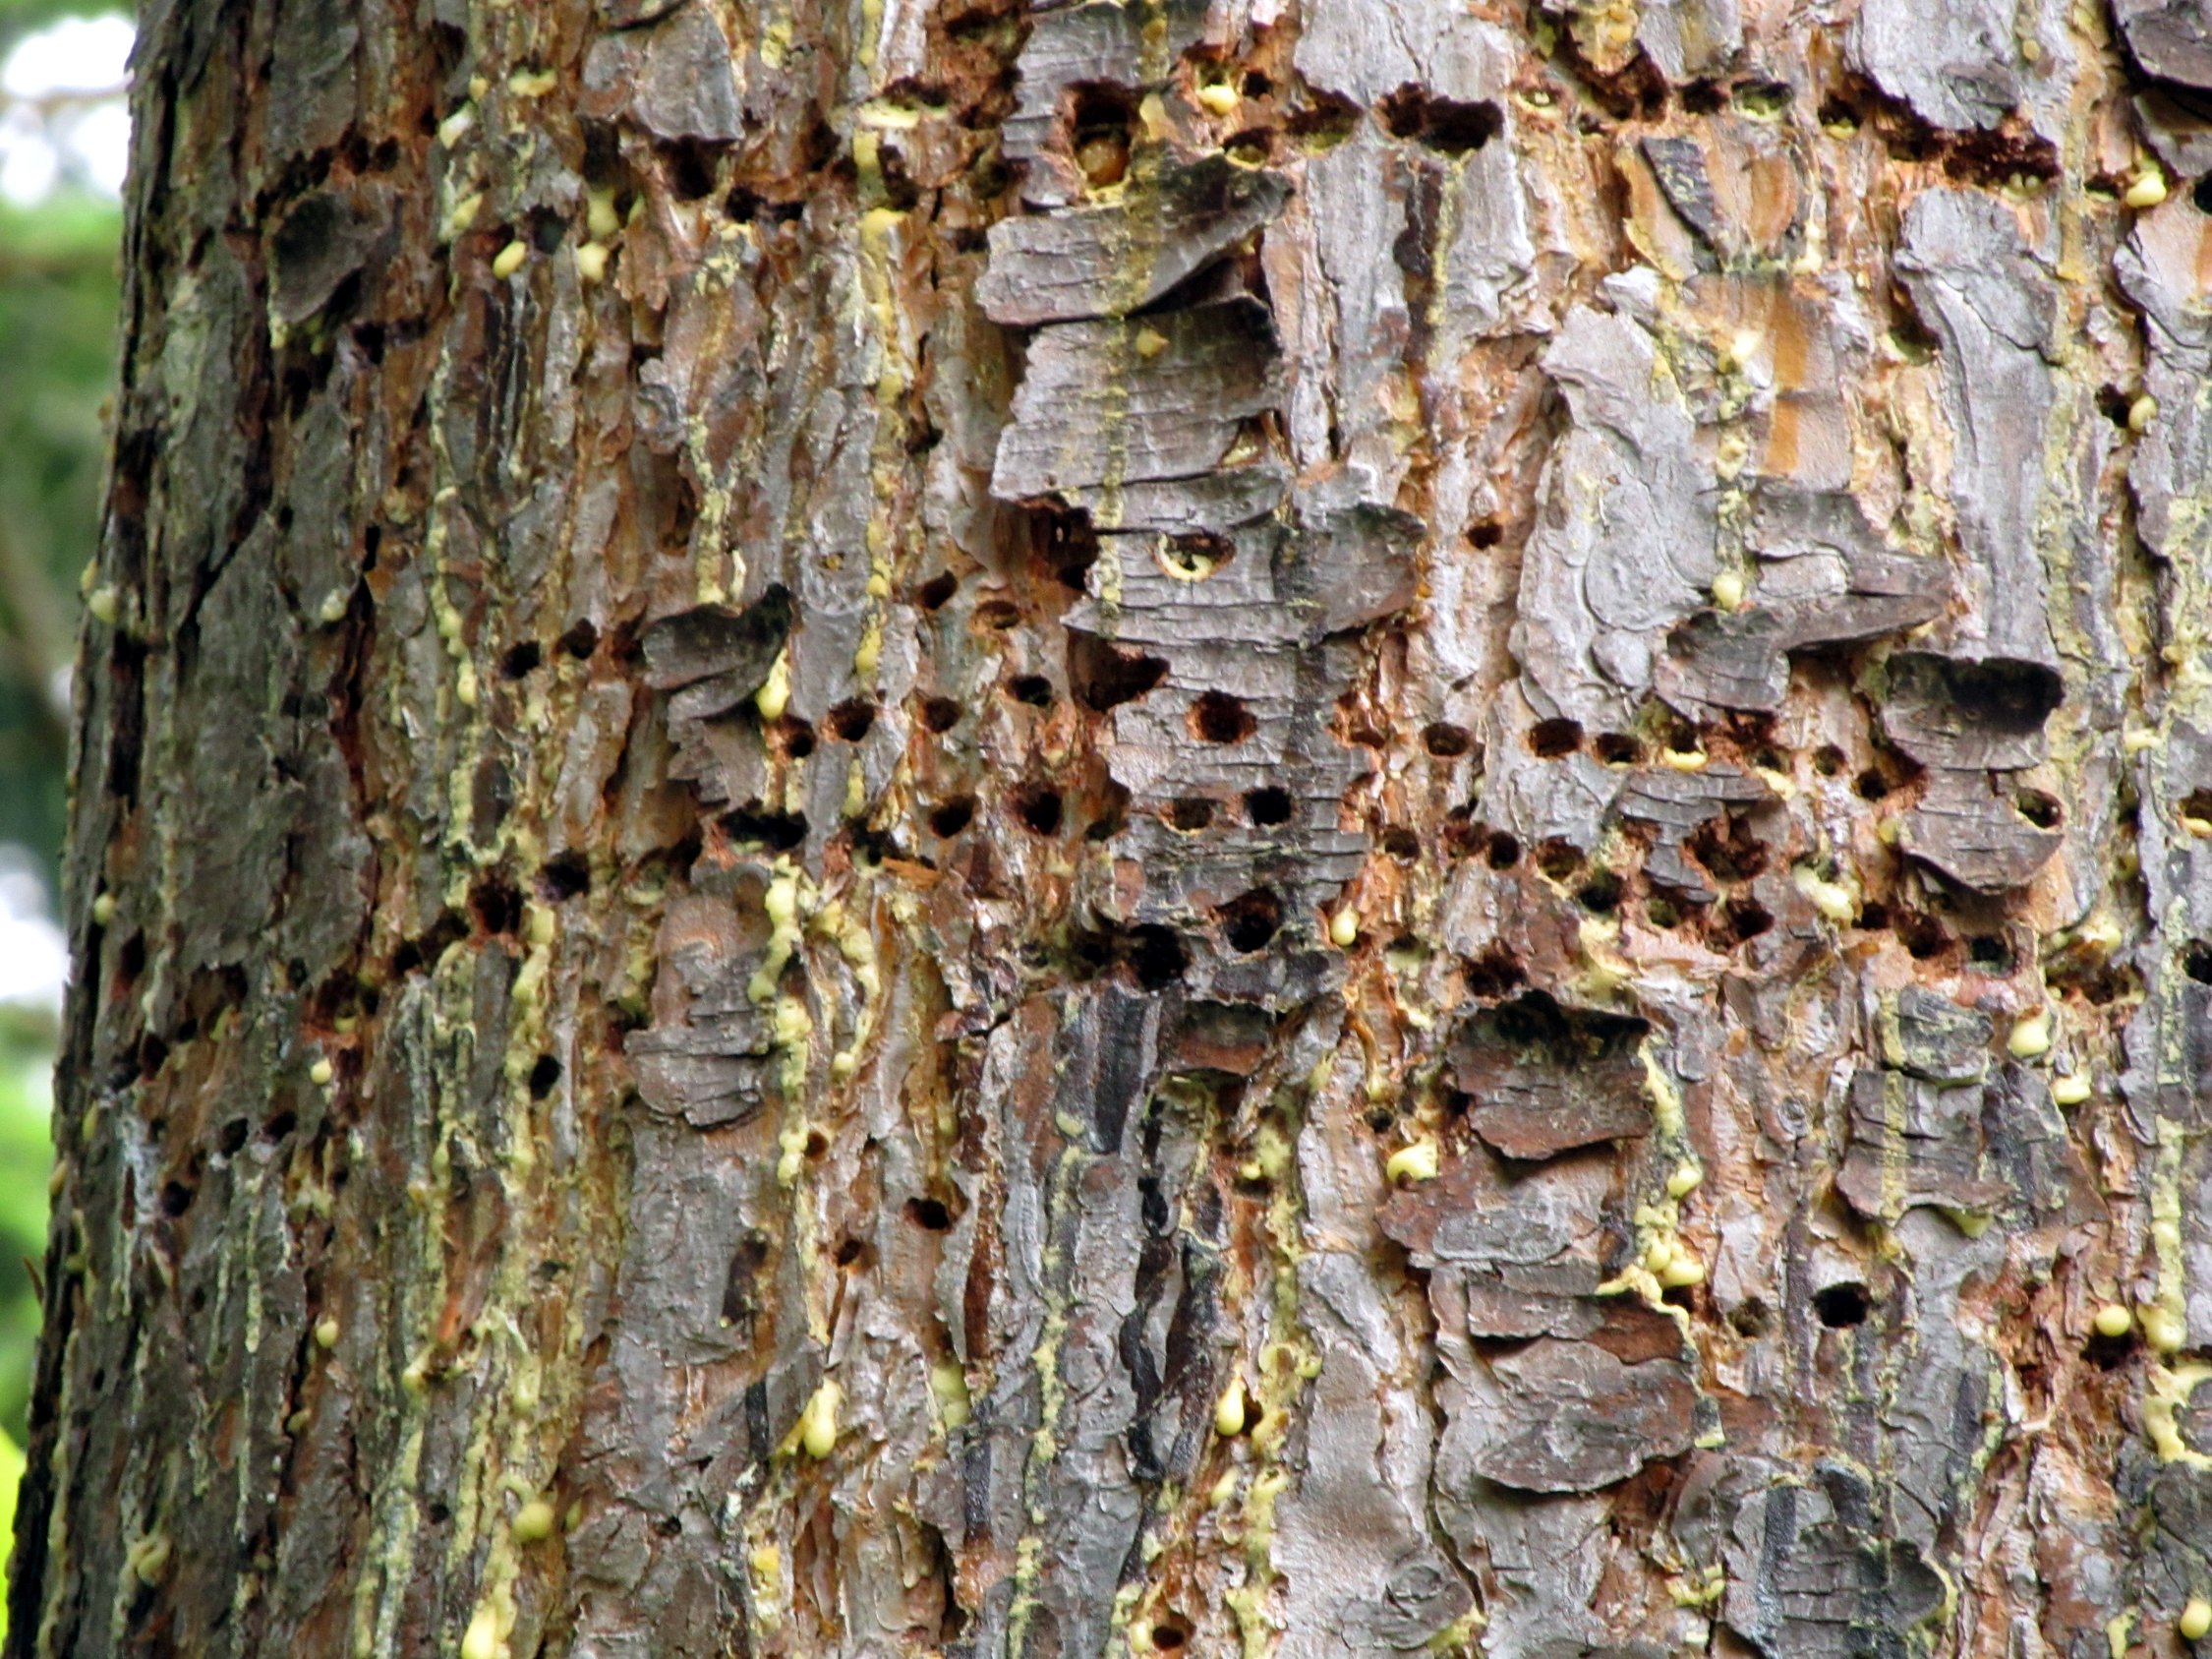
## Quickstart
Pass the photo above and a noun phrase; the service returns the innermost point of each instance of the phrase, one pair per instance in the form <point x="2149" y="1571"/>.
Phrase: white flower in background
<point x="62" y="114"/>
<point x="34" y="956"/>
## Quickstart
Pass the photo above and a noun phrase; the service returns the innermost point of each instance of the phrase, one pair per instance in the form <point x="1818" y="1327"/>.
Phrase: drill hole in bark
<point x="848" y="721"/>
<point x="1250" y="919"/>
<point x="928" y="1215"/>
<point x="1195" y="557"/>
<point x="2196" y="962"/>
<point x="997" y="614"/>
<point x="1031" y="689"/>
<point x="1617" y="748"/>
<point x="1557" y="858"/>
<point x="544" y="1076"/>
<point x="949" y="817"/>
<point x="565" y="876"/>
<point x="853" y="1253"/>
<point x="1190" y="815"/>
<point x="1157" y="957"/>
<point x="1267" y="806"/>
<point x="796" y="738"/>
<point x="1168" y="1638"/>
<point x="1493" y="973"/>
<point x="1402" y="845"/>
<point x="2197" y="804"/>
<point x="1038" y="808"/>
<point x="1827" y="760"/>
<point x="498" y="906"/>
<point x="521" y="659"/>
<point x="176" y="1199"/>
<point x="1601" y="892"/>
<point x="1662" y="913"/>
<point x="1741" y="921"/>
<point x="1872" y="785"/>
<point x="1990" y="953"/>
<point x="753" y="825"/>
<point x="1216" y="717"/>
<point x="1554" y="739"/>
<point x="940" y="714"/>
<point x="581" y="641"/>
<point x="1104" y="678"/>
<point x="1445" y="741"/>
<point x="1487" y="534"/>
<point x="1841" y="1306"/>
<point x="2038" y="808"/>
<point x="933" y="594"/>
<point x="1445" y="125"/>
<point x="1100" y="120"/>
<point x="233" y="1137"/>
<point x="1504" y="852"/>
<point x="1923" y="935"/>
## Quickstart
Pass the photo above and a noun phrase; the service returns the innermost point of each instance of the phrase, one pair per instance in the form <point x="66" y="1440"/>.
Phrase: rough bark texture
<point x="1308" y="827"/>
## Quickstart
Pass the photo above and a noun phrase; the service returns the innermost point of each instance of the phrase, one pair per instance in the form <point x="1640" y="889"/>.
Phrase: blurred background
<point x="63" y="137"/>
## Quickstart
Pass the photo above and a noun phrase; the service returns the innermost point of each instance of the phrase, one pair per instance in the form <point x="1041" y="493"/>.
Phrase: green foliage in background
<point x="57" y="342"/>
<point x="58" y="294"/>
<point x="26" y="1157"/>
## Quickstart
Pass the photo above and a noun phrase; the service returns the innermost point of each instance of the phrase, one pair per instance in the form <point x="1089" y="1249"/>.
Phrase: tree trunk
<point x="1318" y="829"/>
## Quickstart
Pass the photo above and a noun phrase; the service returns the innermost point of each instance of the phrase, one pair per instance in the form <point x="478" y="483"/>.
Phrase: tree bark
<point x="1308" y="827"/>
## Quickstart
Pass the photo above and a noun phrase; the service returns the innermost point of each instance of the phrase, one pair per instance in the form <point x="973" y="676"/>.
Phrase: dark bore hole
<point x="544" y="1076"/>
<point x="1445" y="741"/>
<point x="1872" y="785"/>
<point x="1267" y="806"/>
<point x="1251" y="919"/>
<point x="2196" y="962"/>
<point x="949" y="817"/>
<point x="1401" y="844"/>
<point x="1157" y="957"/>
<point x="779" y="832"/>
<point x="1505" y="852"/>
<point x="1489" y="533"/>
<point x="1444" y="125"/>
<point x="1103" y="677"/>
<point x="928" y="1215"/>
<point x="797" y="738"/>
<point x="580" y="640"/>
<point x="498" y="906"/>
<point x="1168" y="1638"/>
<point x="1039" y="809"/>
<point x="1986" y="950"/>
<point x="1551" y="739"/>
<point x="1099" y="125"/>
<point x="233" y="1135"/>
<point x="1617" y="748"/>
<point x="521" y="659"/>
<point x="176" y="1199"/>
<point x="2038" y="808"/>
<point x="940" y="714"/>
<point x="1841" y="1306"/>
<point x="1190" y="815"/>
<point x="1827" y="760"/>
<point x="1218" y="717"/>
<point x="1031" y="689"/>
<point x="1601" y="892"/>
<point x="1745" y="920"/>
<point x="2197" y="804"/>
<point x="2201" y="195"/>
<point x="937" y="590"/>
<point x="1923" y="934"/>
<point x="564" y="878"/>
<point x="849" y="722"/>
<point x="1557" y="858"/>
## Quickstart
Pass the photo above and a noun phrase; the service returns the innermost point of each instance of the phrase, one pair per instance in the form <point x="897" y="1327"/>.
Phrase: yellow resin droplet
<point x="1229" y="1410"/>
<point x="1416" y="1162"/>
<point x="2114" y="1319"/>
<point x="2195" y="1621"/>
<point x="2032" y="1037"/>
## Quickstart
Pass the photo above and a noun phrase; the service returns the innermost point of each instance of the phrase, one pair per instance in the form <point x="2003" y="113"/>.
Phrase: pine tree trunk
<point x="1318" y="829"/>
